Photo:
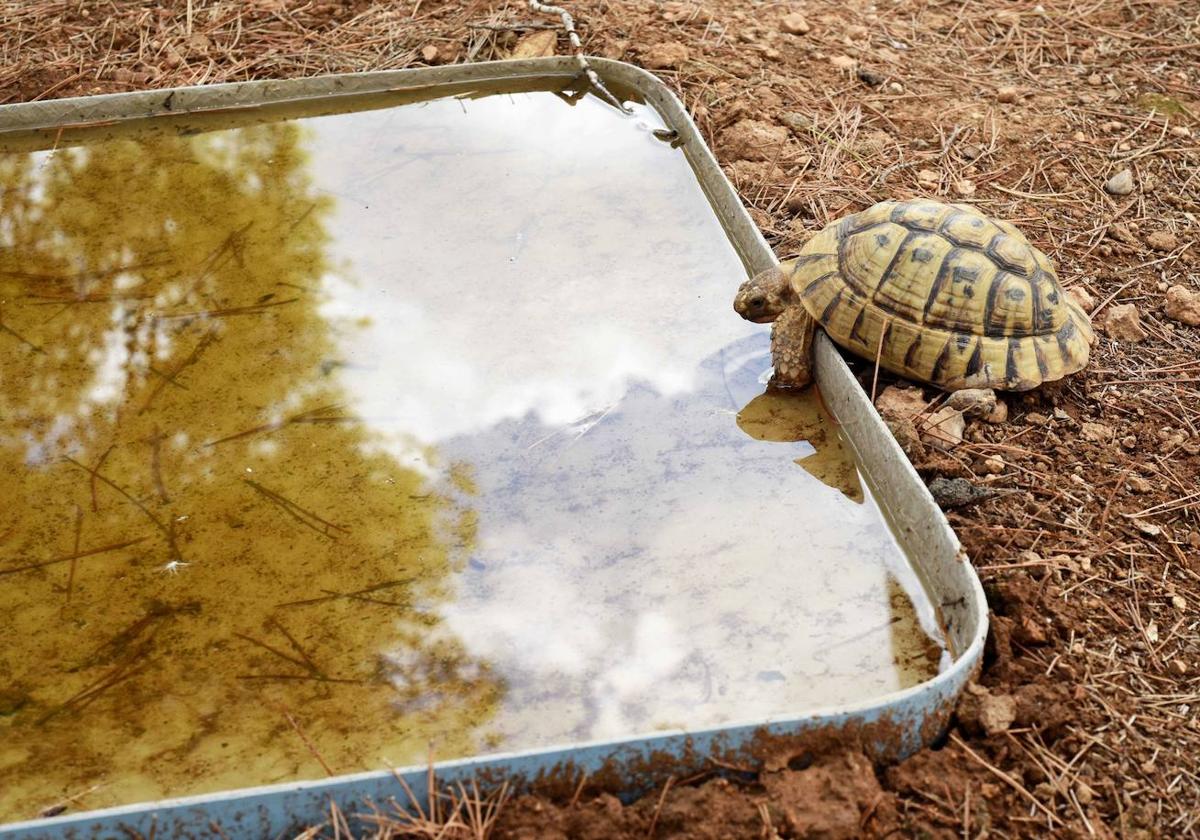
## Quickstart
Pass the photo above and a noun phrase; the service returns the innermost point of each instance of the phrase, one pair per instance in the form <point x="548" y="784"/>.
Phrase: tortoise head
<point x="764" y="296"/>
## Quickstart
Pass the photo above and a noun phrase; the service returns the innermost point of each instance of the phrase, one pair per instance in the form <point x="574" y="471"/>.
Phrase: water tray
<point x="366" y="418"/>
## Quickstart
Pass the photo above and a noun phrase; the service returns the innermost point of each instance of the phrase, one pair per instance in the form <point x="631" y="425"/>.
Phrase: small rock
<point x="1081" y="296"/>
<point x="1122" y="233"/>
<point x="1123" y="323"/>
<point x="979" y="710"/>
<point x="665" y="56"/>
<point x="993" y="465"/>
<point x="798" y="123"/>
<point x="795" y="24"/>
<point x="999" y="413"/>
<point x="1084" y="793"/>
<point x="752" y="140"/>
<point x="997" y="712"/>
<point x="843" y="62"/>
<point x="1129" y="442"/>
<point x="1181" y="131"/>
<point x="964" y="187"/>
<point x="1147" y="528"/>
<point x="944" y="428"/>
<point x="1120" y="184"/>
<point x="430" y="53"/>
<point x="973" y="402"/>
<point x="870" y="77"/>
<point x="1138" y="484"/>
<point x="929" y="176"/>
<point x="1183" y="305"/>
<point x="895" y="87"/>
<point x="957" y="492"/>
<point x="1079" y="137"/>
<point x="1162" y="240"/>
<point x="1097" y="432"/>
<point x="1178" y="602"/>
<point x="1006" y="94"/>
<point x="1035" y="419"/>
<point x="905" y="433"/>
<point x="1179" y="666"/>
<point x="899" y="403"/>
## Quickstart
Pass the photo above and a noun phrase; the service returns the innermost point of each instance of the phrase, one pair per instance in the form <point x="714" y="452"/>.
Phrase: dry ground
<point x="1093" y="565"/>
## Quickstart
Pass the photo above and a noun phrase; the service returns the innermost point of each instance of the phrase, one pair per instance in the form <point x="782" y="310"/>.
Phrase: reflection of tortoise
<point x="936" y="292"/>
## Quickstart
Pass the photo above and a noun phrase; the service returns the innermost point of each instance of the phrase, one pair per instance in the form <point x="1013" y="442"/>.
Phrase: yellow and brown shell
<point x="942" y="294"/>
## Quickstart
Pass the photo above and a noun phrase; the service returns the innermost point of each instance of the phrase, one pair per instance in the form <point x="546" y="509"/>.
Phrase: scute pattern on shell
<point x="941" y="293"/>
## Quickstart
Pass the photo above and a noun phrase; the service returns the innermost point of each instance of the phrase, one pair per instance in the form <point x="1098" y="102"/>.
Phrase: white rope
<point x="568" y="24"/>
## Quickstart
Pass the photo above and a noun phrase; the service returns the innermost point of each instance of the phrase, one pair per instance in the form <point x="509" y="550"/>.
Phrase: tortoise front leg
<point x="791" y="348"/>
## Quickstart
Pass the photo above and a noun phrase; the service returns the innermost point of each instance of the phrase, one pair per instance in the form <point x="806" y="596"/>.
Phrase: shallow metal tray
<point x="888" y="727"/>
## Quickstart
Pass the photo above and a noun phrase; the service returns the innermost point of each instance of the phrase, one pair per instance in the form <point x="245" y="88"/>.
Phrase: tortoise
<point x="937" y="293"/>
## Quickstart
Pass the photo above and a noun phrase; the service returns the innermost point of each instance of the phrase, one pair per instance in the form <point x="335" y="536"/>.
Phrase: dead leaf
<point x="539" y="44"/>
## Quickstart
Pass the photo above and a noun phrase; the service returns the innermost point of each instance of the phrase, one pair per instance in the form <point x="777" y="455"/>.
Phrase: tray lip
<point x="940" y="690"/>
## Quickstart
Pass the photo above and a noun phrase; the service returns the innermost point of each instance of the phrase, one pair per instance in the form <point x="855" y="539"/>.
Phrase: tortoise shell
<point x="943" y="294"/>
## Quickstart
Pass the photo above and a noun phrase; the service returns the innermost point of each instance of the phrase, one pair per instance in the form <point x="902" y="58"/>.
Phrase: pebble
<point x="430" y="53"/>
<point x="964" y="187"/>
<point x="1095" y="79"/>
<point x="1035" y="419"/>
<point x="1097" y="432"/>
<point x="843" y="62"/>
<point x="1179" y="666"/>
<point x="1129" y="442"/>
<point x="1162" y="240"/>
<point x="1006" y="94"/>
<point x="1138" y="484"/>
<point x="1120" y="184"/>
<point x="753" y="140"/>
<point x="1079" y="137"/>
<point x="1147" y="528"/>
<point x="973" y="402"/>
<point x="944" y="428"/>
<point x="957" y="492"/>
<point x="895" y="87"/>
<point x="993" y="465"/>
<point x="1124" y="323"/>
<point x="929" y="176"/>
<point x="795" y="24"/>
<point x="1183" y="305"/>
<point x="1181" y="131"/>
<point x="1083" y="793"/>
<point x="1082" y="297"/>
<point x="1178" y="602"/>
<point x="870" y="78"/>
<point x="997" y="712"/>
<point x="999" y="413"/>
<point x="665" y="56"/>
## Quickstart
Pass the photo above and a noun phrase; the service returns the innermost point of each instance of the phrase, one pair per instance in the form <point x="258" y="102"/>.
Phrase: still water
<point x="331" y="438"/>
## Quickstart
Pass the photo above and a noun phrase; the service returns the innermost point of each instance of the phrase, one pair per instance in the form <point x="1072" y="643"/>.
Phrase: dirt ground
<point x="1085" y="721"/>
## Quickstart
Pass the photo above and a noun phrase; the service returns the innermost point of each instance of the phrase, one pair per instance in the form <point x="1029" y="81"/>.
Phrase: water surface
<point x="331" y="438"/>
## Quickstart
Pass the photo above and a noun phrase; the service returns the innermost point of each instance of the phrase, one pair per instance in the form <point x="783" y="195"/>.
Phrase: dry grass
<point x="456" y="812"/>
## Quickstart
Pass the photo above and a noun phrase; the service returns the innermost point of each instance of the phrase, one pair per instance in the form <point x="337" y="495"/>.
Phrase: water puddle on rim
<point x="419" y="423"/>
